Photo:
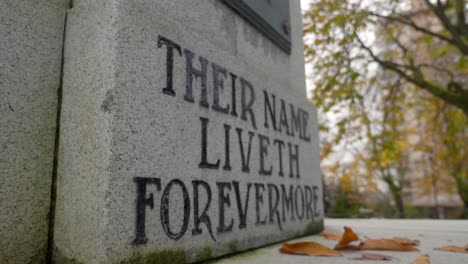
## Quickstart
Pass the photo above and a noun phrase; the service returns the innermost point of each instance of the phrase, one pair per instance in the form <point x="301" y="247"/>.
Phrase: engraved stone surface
<point x="185" y="135"/>
<point x="31" y="34"/>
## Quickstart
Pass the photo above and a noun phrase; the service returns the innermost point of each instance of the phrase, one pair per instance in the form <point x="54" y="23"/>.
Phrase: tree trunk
<point x="435" y="193"/>
<point x="396" y="193"/>
<point x="399" y="203"/>
<point x="462" y="187"/>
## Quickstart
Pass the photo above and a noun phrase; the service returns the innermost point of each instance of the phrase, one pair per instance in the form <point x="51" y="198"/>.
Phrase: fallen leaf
<point x="348" y="237"/>
<point x="453" y="249"/>
<point x="347" y="247"/>
<point x="330" y="235"/>
<point x="386" y="244"/>
<point x="405" y="240"/>
<point x="466" y="247"/>
<point x="423" y="259"/>
<point x="369" y="256"/>
<point x="308" y="248"/>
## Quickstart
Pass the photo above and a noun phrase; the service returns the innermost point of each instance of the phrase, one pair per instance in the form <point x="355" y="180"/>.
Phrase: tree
<point x="347" y="200"/>
<point x="375" y="63"/>
<point x="339" y="33"/>
<point x="444" y="130"/>
<point x="436" y="158"/>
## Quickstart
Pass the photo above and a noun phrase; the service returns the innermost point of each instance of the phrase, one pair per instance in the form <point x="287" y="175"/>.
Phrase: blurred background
<point x="390" y="81"/>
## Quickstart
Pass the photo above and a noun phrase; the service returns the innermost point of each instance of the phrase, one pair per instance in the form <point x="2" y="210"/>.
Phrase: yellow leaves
<point x="427" y="39"/>
<point x="308" y="248"/>
<point x="454" y="249"/>
<point x="318" y="41"/>
<point x="392" y="111"/>
<point x="339" y="19"/>
<point x="346" y="182"/>
<point x="462" y="64"/>
<point x="423" y="259"/>
<point x="327" y="148"/>
<point x="402" y="144"/>
<point x="321" y="18"/>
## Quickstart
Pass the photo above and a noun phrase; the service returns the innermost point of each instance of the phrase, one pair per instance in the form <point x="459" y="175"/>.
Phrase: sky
<point x="304" y="4"/>
<point x="346" y="156"/>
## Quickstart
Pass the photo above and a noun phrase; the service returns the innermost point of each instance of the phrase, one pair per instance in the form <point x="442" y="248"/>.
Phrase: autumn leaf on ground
<point x="453" y="249"/>
<point x="407" y="241"/>
<point x="369" y="256"/>
<point x="386" y="244"/>
<point x="348" y="237"/>
<point x="330" y="235"/>
<point x="423" y="259"/>
<point x="308" y="248"/>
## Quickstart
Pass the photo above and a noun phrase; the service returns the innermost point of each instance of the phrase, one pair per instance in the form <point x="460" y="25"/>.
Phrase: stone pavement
<point x="431" y="233"/>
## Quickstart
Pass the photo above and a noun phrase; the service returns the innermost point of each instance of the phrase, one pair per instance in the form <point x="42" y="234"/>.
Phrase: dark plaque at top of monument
<point x="271" y="17"/>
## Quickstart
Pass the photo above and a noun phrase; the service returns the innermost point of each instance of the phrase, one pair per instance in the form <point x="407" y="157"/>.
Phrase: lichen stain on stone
<point x="59" y="258"/>
<point x="313" y="228"/>
<point x="233" y="247"/>
<point x="108" y="102"/>
<point x="159" y="257"/>
<point x="204" y="254"/>
<point x="13" y="252"/>
<point x="241" y="256"/>
<point x="246" y="255"/>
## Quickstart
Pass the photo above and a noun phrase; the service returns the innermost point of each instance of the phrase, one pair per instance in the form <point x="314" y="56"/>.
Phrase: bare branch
<point x="461" y="17"/>
<point x="439" y="11"/>
<point x="416" y="78"/>
<point x="406" y="21"/>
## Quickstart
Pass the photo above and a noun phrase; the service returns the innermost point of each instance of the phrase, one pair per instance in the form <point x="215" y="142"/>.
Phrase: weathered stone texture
<point x="81" y="223"/>
<point x="117" y="125"/>
<point x="31" y="34"/>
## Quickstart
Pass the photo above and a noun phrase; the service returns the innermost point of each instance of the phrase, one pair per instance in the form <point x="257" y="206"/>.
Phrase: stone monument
<point x="184" y="134"/>
<point x="31" y="43"/>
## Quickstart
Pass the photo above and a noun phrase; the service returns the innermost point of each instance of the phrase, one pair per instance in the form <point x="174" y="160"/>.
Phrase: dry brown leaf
<point x="453" y="249"/>
<point x="386" y="244"/>
<point x="423" y="259"/>
<point x="348" y="237"/>
<point x="347" y="247"/>
<point x="369" y="256"/>
<point x="308" y="248"/>
<point x="405" y="240"/>
<point x="330" y="235"/>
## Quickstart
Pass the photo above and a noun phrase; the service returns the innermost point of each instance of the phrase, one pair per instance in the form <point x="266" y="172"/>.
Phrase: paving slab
<point x="431" y="233"/>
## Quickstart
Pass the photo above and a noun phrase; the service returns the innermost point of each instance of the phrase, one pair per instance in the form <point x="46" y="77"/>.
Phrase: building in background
<point x="427" y="166"/>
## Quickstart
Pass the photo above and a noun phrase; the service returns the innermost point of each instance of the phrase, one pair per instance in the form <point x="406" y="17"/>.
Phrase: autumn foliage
<point x="390" y="80"/>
